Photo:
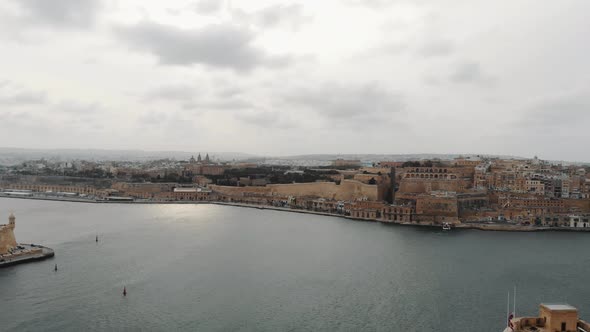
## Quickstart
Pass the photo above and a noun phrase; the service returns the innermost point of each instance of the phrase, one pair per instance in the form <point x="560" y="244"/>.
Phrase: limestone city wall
<point x="346" y="190"/>
<point x="428" y="185"/>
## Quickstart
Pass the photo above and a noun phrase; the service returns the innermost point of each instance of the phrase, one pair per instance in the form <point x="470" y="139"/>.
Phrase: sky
<point x="298" y="77"/>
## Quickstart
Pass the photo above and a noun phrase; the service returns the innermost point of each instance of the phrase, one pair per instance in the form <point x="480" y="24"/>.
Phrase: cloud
<point x="426" y="48"/>
<point x="381" y="4"/>
<point x="230" y="92"/>
<point x="259" y="118"/>
<point x="24" y="98"/>
<point x="21" y="103"/>
<point x="177" y="92"/>
<point x="372" y="4"/>
<point x="436" y="48"/>
<point x="152" y="118"/>
<point x="14" y="117"/>
<point x="561" y="111"/>
<point x="289" y="15"/>
<point x="470" y="72"/>
<point x="341" y="102"/>
<point x="190" y="99"/>
<point x="208" y="6"/>
<point x="219" y="46"/>
<point x="60" y="13"/>
<point x="225" y="104"/>
<point x="11" y="95"/>
<point x="76" y="108"/>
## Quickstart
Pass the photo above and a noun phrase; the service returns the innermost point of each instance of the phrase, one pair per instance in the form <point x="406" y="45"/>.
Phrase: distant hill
<point x="386" y="157"/>
<point x="12" y="156"/>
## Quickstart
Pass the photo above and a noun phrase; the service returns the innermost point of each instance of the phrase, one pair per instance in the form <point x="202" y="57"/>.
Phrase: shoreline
<point x="494" y="227"/>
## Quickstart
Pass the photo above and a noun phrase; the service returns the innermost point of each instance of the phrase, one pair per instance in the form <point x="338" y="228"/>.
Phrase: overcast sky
<point x="298" y="77"/>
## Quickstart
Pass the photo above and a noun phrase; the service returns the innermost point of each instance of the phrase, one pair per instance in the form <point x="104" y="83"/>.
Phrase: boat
<point x="446" y="226"/>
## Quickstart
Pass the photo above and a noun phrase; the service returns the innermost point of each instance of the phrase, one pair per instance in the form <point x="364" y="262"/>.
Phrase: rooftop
<point x="186" y="190"/>
<point x="558" y="306"/>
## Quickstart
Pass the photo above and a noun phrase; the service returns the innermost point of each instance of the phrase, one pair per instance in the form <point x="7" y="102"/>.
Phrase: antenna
<point x="514" y="311"/>
<point x="508" y="310"/>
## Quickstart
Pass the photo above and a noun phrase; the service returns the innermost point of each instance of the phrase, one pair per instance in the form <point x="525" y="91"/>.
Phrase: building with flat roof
<point x="553" y="317"/>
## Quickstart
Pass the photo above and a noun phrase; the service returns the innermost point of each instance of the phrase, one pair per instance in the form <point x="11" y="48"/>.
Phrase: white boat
<point x="446" y="226"/>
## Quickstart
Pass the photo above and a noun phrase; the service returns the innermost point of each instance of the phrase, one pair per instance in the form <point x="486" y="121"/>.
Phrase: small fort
<point x="7" y="239"/>
<point x="12" y="253"/>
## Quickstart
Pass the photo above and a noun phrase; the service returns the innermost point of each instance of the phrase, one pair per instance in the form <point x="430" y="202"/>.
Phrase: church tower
<point x="199" y="158"/>
<point x="207" y="158"/>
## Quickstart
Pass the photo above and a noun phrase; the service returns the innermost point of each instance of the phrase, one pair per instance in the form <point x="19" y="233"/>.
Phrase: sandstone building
<point x="7" y="239"/>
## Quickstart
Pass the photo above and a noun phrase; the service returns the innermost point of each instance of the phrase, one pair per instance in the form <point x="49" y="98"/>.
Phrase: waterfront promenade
<point x="484" y="226"/>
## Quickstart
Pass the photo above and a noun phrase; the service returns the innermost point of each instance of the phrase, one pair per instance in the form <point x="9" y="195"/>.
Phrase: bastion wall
<point x="346" y="190"/>
<point x="7" y="239"/>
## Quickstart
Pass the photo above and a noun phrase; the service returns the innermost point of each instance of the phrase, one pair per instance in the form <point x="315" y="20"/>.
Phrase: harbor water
<point x="221" y="268"/>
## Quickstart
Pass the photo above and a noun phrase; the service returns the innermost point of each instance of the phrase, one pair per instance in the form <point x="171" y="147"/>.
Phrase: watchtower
<point x="11" y="221"/>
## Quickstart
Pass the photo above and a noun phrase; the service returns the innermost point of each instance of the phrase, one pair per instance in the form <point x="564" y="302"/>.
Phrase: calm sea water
<point x="219" y="268"/>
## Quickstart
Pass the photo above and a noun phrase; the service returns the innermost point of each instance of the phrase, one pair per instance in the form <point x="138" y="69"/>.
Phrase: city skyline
<point x="297" y="77"/>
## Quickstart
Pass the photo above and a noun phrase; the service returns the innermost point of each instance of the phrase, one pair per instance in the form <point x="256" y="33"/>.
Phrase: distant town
<point x="490" y="193"/>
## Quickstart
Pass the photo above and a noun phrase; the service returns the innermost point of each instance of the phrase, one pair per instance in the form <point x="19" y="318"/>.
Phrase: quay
<point x="483" y="226"/>
<point x="28" y="253"/>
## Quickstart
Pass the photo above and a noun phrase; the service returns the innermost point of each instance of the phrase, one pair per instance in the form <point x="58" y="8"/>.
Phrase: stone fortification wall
<point x="437" y="209"/>
<point x="239" y="191"/>
<point x="581" y="204"/>
<point x="7" y="239"/>
<point x="366" y="178"/>
<point x="143" y="187"/>
<point x="428" y="185"/>
<point x="347" y="190"/>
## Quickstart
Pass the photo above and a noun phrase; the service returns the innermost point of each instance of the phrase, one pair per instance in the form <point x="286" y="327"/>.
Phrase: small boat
<point x="446" y="226"/>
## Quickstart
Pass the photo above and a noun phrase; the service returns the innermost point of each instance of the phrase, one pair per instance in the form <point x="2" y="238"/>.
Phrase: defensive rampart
<point x="346" y="190"/>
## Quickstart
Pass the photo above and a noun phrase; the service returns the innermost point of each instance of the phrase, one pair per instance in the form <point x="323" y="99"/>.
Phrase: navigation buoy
<point x="124" y="291"/>
<point x="55" y="269"/>
<point x="97" y="238"/>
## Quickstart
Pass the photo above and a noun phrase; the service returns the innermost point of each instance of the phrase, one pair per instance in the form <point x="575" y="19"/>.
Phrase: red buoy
<point x="124" y="291"/>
